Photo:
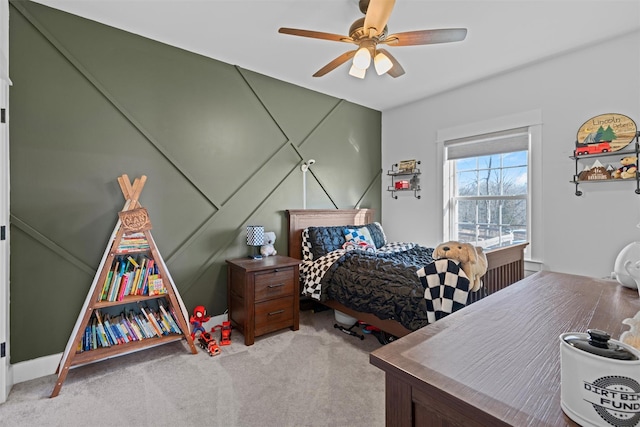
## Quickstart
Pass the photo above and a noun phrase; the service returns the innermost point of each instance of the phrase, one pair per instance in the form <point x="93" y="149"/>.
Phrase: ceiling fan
<point x="370" y="32"/>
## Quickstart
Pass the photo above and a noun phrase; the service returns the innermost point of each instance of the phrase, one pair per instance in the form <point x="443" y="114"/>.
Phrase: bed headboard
<point x="299" y="219"/>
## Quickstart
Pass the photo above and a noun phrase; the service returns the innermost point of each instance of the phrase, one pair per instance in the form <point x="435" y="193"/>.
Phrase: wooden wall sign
<point x="135" y="220"/>
<point x="605" y="133"/>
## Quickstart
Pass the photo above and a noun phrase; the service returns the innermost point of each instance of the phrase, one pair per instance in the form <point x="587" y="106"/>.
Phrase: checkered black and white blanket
<point x="446" y="288"/>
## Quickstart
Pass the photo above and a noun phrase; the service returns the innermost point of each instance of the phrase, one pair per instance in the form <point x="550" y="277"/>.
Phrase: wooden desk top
<point x="501" y="355"/>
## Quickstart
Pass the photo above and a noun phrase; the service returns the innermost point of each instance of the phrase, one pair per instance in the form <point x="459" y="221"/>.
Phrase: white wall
<point x="581" y="235"/>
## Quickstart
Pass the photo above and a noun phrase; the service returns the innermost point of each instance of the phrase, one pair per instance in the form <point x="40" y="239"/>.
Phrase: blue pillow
<point x="325" y="239"/>
<point x="377" y="234"/>
<point x="361" y="234"/>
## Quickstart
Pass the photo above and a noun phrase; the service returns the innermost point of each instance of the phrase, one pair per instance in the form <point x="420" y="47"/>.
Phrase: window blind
<point x="506" y="141"/>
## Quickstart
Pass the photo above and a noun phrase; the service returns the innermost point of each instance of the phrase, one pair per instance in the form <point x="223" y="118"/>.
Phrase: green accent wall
<point x="221" y="147"/>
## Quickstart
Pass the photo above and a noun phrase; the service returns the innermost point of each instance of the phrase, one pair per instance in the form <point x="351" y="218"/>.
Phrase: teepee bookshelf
<point x="107" y="293"/>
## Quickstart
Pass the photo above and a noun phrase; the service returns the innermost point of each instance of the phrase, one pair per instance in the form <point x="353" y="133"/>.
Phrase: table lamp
<point x="255" y="239"/>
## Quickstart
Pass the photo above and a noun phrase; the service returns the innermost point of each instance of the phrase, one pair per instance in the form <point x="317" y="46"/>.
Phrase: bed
<point x="505" y="265"/>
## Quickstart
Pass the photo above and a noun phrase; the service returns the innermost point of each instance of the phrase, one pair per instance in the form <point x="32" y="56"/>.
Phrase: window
<point x="488" y="188"/>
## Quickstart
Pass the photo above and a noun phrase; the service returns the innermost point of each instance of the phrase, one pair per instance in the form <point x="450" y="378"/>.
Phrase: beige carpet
<point x="317" y="376"/>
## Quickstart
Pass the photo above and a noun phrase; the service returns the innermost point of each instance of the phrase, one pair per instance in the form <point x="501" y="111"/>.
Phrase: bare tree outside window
<point x="490" y="200"/>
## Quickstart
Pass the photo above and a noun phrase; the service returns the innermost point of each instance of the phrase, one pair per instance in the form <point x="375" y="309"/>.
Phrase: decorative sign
<point x="406" y="166"/>
<point x="596" y="172"/>
<point x="605" y="133"/>
<point x="135" y="220"/>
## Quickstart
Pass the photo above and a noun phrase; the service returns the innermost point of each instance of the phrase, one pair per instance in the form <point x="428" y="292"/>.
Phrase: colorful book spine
<point x="133" y="325"/>
<point x="174" y="326"/>
<point x="142" y="324"/>
<point x="123" y="286"/>
<point x="94" y="336"/>
<point x="105" y="287"/>
<point x="152" y="321"/>
<point x="132" y="333"/>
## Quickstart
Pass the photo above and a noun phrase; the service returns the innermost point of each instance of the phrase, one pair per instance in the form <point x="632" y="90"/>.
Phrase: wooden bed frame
<point x="506" y="265"/>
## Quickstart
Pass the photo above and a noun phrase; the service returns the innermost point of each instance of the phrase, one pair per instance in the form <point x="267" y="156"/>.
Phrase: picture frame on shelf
<point x="407" y="165"/>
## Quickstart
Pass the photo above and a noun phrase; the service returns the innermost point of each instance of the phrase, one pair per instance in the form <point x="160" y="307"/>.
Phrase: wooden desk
<point x="497" y="362"/>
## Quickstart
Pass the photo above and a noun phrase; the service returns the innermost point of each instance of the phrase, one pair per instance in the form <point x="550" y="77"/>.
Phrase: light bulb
<point x="357" y="72"/>
<point x="382" y="63"/>
<point x="362" y="58"/>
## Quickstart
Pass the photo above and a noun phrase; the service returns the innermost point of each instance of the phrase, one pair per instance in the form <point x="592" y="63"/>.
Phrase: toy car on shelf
<point x="597" y="148"/>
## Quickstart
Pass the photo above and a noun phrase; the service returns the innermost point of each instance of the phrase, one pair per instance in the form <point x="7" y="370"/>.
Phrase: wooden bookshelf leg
<point x="61" y="377"/>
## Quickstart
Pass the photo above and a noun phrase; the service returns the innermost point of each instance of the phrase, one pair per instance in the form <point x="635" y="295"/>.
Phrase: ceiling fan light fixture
<point x="382" y="63"/>
<point x="362" y="58"/>
<point x="357" y="72"/>
<point x="369" y="32"/>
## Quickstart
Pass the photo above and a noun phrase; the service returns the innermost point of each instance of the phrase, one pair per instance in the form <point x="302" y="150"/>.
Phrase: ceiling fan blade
<point x="335" y="63"/>
<point x="378" y="13"/>
<point x="316" y="35"/>
<point x="412" y="38"/>
<point x="396" y="70"/>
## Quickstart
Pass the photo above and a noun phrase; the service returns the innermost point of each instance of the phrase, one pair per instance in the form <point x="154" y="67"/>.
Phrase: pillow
<point x="322" y="240"/>
<point x="362" y="234"/>
<point x="377" y="234"/>
<point x="306" y="246"/>
<point x="358" y="245"/>
<point x="325" y="239"/>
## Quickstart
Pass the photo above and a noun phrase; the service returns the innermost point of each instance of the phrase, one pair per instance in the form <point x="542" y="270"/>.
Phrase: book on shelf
<point x="133" y="326"/>
<point x="105" y="287"/>
<point x="129" y="337"/>
<point x="115" y="335"/>
<point x="172" y="322"/>
<point x="156" y="285"/>
<point x="152" y="321"/>
<point x="129" y="275"/>
<point x="102" y="334"/>
<point x="94" y="337"/>
<point x="133" y="242"/>
<point x="144" y="325"/>
<point x="144" y="287"/>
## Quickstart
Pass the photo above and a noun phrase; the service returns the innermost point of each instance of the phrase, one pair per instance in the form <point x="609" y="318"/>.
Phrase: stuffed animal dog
<point x="472" y="260"/>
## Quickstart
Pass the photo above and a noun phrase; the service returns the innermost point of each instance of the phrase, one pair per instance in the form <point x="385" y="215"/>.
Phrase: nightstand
<point x="263" y="295"/>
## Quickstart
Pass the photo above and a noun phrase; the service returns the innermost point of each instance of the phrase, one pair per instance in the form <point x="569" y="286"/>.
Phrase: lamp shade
<point x="382" y="63"/>
<point x="357" y="72"/>
<point x="255" y="235"/>
<point x="362" y="58"/>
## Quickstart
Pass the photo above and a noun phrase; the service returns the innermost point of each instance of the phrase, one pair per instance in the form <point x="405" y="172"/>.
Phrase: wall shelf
<point x="599" y="173"/>
<point x="404" y="180"/>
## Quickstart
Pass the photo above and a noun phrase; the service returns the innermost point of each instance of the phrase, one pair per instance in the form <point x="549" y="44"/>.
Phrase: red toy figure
<point x="225" y="332"/>
<point x="197" y="319"/>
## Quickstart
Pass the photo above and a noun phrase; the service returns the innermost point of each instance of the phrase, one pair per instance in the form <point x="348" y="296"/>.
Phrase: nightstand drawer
<point x="273" y="315"/>
<point x="274" y="283"/>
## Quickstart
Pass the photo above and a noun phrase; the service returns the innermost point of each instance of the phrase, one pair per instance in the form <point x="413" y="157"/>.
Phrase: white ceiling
<point x="502" y="35"/>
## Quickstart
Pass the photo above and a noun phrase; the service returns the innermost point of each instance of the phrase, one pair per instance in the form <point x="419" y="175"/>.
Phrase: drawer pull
<point x="276" y="286"/>
<point x="273" y="313"/>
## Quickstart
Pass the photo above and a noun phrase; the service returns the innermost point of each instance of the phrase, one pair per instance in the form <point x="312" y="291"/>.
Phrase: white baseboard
<point x="35" y="368"/>
<point x="47" y="365"/>
<point x="531" y="266"/>
<point x="215" y="321"/>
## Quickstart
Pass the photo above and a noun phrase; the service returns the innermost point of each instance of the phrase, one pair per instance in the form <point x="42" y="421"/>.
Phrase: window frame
<point x="529" y="119"/>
